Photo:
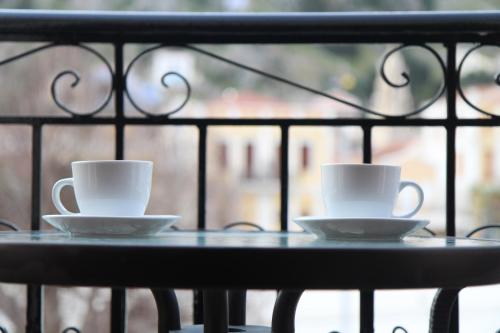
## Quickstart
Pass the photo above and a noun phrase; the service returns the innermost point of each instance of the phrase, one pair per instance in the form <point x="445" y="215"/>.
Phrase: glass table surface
<point x="215" y="259"/>
<point x="236" y="239"/>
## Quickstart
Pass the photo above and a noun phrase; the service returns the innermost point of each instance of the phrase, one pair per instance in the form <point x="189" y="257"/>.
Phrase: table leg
<point x="237" y="307"/>
<point x="168" y="310"/>
<point x="441" y="310"/>
<point x="197" y="307"/>
<point x="215" y="311"/>
<point x="284" y="311"/>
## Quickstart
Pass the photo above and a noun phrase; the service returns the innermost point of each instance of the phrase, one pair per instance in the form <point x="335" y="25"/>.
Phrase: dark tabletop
<point x="246" y="260"/>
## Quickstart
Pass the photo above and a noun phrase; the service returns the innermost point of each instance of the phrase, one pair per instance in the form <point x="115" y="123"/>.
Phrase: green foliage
<point x="477" y="78"/>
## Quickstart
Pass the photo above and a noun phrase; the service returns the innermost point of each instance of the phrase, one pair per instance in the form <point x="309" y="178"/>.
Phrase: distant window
<point x="305" y="211"/>
<point x="277" y="164"/>
<point x="249" y="172"/>
<point x="222" y="156"/>
<point x="488" y="165"/>
<point x="305" y="157"/>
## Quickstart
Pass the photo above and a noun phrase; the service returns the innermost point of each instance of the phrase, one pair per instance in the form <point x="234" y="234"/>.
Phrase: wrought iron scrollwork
<point x="243" y="224"/>
<point x="459" y="85"/>
<point x="66" y="330"/>
<point x="397" y="329"/>
<point x="71" y="329"/>
<point x="300" y="86"/>
<point x="66" y="73"/>
<point x="429" y="231"/>
<point x="481" y="228"/>
<point x="172" y="74"/>
<point x="406" y="76"/>
<point x="163" y="82"/>
<point x="286" y="81"/>
<point x="9" y="225"/>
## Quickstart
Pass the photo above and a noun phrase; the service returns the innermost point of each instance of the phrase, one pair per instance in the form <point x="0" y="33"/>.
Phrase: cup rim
<point x="361" y="165"/>
<point x="112" y="161"/>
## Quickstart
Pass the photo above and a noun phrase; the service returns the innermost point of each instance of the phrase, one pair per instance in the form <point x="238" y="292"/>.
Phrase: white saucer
<point x="380" y="229"/>
<point x="135" y="226"/>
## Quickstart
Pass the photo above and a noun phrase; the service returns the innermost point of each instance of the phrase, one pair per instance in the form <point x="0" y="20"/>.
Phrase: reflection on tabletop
<point x="220" y="239"/>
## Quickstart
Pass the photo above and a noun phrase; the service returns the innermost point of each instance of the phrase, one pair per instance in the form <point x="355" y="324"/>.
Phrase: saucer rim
<point x="412" y="225"/>
<point x="142" y="217"/>
<point x="86" y="225"/>
<point x="320" y="218"/>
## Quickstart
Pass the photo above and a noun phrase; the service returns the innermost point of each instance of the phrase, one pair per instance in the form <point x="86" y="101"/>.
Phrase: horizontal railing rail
<point x="350" y="27"/>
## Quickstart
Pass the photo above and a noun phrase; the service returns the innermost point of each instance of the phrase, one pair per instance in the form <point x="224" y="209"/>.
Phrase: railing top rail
<point x="176" y="27"/>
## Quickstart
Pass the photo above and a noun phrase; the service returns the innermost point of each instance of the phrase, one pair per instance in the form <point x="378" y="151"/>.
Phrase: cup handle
<point x="56" y="195"/>
<point x="420" y="194"/>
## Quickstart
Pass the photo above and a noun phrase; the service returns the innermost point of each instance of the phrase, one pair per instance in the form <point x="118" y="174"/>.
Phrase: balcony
<point x="244" y="108"/>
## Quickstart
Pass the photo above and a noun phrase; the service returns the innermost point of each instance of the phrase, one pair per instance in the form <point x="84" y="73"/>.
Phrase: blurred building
<point x="243" y="161"/>
<point x="246" y="159"/>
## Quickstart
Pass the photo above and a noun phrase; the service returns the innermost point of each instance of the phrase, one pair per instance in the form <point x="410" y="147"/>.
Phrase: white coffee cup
<point x="107" y="188"/>
<point x="364" y="190"/>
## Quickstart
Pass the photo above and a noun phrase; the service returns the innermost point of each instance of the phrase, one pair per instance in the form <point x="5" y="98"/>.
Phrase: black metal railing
<point x="184" y="30"/>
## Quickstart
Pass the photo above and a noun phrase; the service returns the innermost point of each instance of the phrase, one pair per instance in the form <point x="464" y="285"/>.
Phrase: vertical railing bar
<point x="451" y="94"/>
<point x="202" y="175"/>
<point x="34" y="309"/>
<point x="284" y="178"/>
<point x="202" y="193"/>
<point x="119" y="141"/>
<point x="367" y="144"/>
<point x="119" y="295"/>
<point x="36" y="170"/>
<point x="119" y="87"/>
<point x="197" y="307"/>
<point x="366" y="297"/>
<point x="451" y="80"/>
